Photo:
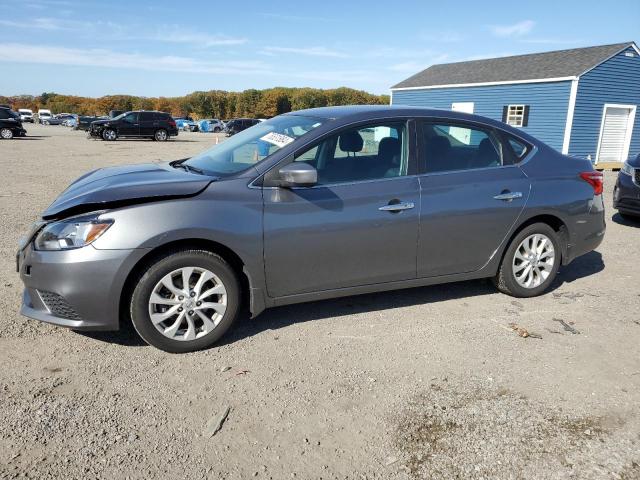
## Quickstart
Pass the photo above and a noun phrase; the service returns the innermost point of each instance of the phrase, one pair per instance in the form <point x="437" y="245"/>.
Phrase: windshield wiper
<point x="188" y="168"/>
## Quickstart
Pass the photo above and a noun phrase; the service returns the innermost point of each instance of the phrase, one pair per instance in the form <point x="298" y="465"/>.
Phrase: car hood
<point x="101" y="122"/>
<point x="125" y="185"/>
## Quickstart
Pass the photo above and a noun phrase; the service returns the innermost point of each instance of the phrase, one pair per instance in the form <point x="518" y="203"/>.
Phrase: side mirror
<point x="298" y="174"/>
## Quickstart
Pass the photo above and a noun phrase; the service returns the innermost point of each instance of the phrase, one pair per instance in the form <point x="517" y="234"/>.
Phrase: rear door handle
<point x="508" y="196"/>
<point x="396" y="207"/>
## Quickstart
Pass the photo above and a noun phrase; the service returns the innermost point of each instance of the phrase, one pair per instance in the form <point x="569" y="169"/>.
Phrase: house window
<point x="516" y="115"/>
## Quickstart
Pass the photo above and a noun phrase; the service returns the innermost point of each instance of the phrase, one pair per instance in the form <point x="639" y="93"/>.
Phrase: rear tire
<point x="161" y="135"/>
<point x="185" y="330"/>
<point x="216" y="130"/>
<point x="530" y="263"/>
<point x="6" y="133"/>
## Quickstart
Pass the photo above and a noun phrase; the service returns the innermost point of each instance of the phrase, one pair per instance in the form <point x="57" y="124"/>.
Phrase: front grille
<point x="58" y="306"/>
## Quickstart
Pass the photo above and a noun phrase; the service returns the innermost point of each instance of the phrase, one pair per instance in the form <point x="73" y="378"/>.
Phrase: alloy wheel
<point x="161" y="135"/>
<point x="533" y="260"/>
<point x="187" y="303"/>
<point x="6" y="133"/>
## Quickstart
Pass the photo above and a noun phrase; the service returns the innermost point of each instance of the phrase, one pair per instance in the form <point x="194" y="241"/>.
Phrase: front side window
<point x="131" y="117"/>
<point x="363" y="153"/>
<point x="456" y="146"/>
<point x="254" y="144"/>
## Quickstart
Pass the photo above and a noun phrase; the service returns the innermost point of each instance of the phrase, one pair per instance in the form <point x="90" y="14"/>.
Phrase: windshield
<point x="253" y="144"/>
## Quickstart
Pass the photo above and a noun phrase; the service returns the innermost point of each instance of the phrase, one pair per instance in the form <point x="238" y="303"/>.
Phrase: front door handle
<point x="396" y="207"/>
<point x="508" y="196"/>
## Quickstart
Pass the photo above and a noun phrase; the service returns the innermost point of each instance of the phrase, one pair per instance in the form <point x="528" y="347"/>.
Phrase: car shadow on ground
<point x="32" y="137"/>
<point x="627" y="222"/>
<point x="280" y="317"/>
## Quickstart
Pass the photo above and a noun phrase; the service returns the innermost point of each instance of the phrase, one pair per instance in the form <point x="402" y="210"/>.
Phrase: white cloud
<point x="43" y="54"/>
<point x="167" y="33"/>
<point x="178" y="34"/>
<point x="309" y="51"/>
<point x="514" y="30"/>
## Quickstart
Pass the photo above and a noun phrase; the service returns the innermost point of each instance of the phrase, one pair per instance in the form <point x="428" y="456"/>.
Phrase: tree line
<point x="211" y="104"/>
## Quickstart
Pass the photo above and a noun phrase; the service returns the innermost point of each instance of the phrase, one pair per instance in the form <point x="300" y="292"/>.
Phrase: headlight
<point x="71" y="233"/>
<point x="627" y="169"/>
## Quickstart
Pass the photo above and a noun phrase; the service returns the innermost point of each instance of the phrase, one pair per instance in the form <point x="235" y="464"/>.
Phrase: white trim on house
<point x="570" y="111"/>
<point x="628" y="133"/>
<point x="486" y="84"/>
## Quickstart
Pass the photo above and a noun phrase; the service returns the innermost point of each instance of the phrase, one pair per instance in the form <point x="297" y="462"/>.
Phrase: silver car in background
<point x="309" y="205"/>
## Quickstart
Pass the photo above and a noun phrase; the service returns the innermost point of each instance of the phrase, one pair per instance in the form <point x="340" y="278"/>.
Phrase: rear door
<point x="148" y="123"/>
<point x="357" y="226"/>
<point x="472" y="194"/>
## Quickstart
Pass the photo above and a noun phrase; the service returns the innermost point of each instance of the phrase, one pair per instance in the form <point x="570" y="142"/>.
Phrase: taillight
<point x="172" y="122"/>
<point x="595" y="179"/>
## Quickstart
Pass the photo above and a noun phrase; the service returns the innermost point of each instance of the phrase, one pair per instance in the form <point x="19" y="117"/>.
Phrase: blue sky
<point x="170" y="48"/>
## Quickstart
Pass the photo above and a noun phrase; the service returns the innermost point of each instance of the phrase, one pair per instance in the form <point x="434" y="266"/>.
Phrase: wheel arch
<point x="250" y="295"/>
<point x="554" y="221"/>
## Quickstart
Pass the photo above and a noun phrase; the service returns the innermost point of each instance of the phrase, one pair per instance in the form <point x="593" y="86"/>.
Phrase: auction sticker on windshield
<point x="277" y="139"/>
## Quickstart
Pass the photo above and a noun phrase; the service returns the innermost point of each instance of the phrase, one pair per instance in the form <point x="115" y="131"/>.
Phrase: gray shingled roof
<point x="561" y="63"/>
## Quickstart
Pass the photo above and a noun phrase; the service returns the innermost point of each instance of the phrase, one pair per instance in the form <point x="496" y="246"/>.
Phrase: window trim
<point x="522" y="116"/>
<point x="412" y="159"/>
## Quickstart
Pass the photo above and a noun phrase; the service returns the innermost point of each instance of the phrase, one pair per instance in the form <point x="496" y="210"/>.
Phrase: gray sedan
<point x="310" y="205"/>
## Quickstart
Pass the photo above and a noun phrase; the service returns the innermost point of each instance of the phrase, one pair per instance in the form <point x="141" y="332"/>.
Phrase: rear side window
<point x="146" y="116"/>
<point x="519" y="148"/>
<point x="459" y="146"/>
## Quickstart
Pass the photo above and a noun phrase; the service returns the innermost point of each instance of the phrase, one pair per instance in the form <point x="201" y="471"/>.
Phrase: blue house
<point x="581" y="101"/>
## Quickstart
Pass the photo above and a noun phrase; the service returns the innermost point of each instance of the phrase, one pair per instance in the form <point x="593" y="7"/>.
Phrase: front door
<point x="357" y="226"/>
<point x="129" y="125"/>
<point x="471" y="197"/>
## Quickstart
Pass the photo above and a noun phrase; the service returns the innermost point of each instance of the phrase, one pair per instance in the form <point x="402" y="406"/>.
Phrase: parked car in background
<point x="66" y="119"/>
<point x="382" y="198"/>
<point x="10" y="124"/>
<point x="212" y="125"/>
<point x="186" y="124"/>
<point x="239" y="124"/>
<point x="26" y="114"/>
<point x="626" y="192"/>
<point x="44" y="115"/>
<point x="158" y="126"/>
<point x="84" y="121"/>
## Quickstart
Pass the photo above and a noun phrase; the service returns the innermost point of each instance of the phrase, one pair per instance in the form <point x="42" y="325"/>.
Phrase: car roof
<point x="355" y="113"/>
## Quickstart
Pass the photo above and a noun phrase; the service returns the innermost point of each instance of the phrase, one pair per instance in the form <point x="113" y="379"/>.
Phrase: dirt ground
<point x="423" y="383"/>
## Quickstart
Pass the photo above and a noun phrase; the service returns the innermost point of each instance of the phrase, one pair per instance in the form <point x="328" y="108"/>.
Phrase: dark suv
<point x="155" y="125"/>
<point x="239" y="124"/>
<point x="10" y="124"/>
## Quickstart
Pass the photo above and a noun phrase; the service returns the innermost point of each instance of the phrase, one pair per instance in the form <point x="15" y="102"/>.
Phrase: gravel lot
<point x="423" y="383"/>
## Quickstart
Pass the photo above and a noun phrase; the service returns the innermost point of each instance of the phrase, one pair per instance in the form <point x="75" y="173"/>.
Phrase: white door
<point x="615" y="133"/>
<point x="461" y="134"/>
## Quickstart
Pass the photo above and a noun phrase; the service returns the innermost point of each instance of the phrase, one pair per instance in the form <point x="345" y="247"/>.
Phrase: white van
<point x="26" y="115"/>
<point x="44" y="116"/>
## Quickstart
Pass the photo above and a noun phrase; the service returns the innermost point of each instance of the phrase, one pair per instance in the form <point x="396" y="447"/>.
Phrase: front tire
<point x="161" y="135"/>
<point x="6" y="133"/>
<point x="530" y="263"/>
<point x="109" y="134"/>
<point x="216" y="130"/>
<point x="185" y="301"/>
